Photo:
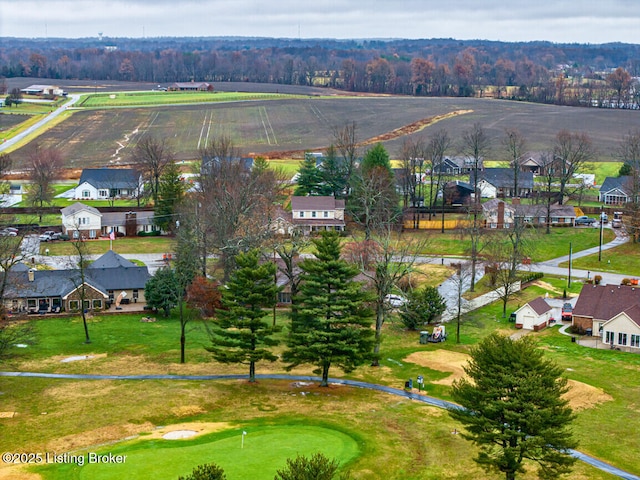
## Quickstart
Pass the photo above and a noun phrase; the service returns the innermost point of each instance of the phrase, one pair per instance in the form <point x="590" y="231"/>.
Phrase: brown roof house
<point x="534" y="315"/>
<point x="611" y="312"/>
<point x="317" y="213"/>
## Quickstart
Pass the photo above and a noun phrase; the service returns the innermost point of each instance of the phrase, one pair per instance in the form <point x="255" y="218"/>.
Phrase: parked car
<point x="5" y="232"/>
<point x="604" y="218"/>
<point x="584" y="220"/>
<point x="567" y="312"/>
<point x="50" y="235"/>
<point x="395" y="301"/>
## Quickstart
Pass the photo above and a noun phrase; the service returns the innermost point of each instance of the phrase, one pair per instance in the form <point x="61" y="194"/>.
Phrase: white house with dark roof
<point x="316" y="213"/>
<point x="108" y="183"/>
<point x="80" y="219"/>
<point x="534" y="315"/>
<point x="616" y="190"/>
<point x="499" y="183"/>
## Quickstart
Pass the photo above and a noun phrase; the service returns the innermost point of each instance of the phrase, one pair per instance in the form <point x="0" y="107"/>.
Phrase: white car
<point x="395" y="300"/>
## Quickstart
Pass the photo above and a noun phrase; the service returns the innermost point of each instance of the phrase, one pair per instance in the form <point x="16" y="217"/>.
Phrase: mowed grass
<point x="541" y="246"/>
<point x="624" y="259"/>
<point x="263" y="451"/>
<point x="133" y="245"/>
<point x="397" y="438"/>
<point x="122" y="99"/>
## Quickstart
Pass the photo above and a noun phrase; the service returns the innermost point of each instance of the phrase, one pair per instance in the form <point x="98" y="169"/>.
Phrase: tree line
<point x="589" y="75"/>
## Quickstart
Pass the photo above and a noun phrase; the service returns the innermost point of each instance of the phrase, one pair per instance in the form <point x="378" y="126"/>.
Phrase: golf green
<point x="258" y="455"/>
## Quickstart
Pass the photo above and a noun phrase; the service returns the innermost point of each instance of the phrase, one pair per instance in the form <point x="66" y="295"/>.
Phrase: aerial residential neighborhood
<point x="247" y="257"/>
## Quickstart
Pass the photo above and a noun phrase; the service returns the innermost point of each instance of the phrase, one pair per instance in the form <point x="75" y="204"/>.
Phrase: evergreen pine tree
<point x="513" y="408"/>
<point x="240" y="334"/>
<point x="332" y="325"/>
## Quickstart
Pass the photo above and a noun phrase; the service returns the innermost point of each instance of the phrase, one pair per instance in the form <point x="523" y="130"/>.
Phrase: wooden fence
<point x="437" y="224"/>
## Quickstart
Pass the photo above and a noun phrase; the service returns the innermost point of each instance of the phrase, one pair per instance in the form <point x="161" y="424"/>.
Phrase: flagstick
<point x="243" y="434"/>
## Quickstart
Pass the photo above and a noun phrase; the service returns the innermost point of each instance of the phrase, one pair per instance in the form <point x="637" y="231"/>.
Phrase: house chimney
<point x="515" y="201"/>
<point x="31" y="274"/>
<point x="500" y="214"/>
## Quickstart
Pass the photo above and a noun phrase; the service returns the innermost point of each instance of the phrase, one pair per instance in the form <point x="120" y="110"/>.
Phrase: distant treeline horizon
<point x="604" y="75"/>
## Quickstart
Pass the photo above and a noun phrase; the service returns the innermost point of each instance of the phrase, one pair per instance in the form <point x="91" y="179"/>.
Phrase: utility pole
<point x="600" y="248"/>
<point x="569" y="279"/>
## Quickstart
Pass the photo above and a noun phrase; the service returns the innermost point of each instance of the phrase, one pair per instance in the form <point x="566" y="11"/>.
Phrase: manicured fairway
<point x="265" y="450"/>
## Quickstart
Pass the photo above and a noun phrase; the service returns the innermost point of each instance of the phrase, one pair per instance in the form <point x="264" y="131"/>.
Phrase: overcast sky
<point x="581" y="21"/>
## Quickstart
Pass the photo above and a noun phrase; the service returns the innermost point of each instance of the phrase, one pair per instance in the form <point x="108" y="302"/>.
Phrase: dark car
<point x="584" y="220"/>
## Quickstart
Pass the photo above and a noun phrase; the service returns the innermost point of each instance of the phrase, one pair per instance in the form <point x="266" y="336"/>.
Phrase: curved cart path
<point x="436" y="402"/>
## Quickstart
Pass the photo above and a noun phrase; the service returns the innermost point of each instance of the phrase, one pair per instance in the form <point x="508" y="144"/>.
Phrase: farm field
<point x="286" y="128"/>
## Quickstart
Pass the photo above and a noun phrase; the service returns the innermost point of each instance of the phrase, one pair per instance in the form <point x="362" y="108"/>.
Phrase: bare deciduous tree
<point x="345" y="140"/>
<point x="515" y="146"/>
<point x="571" y="151"/>
<point x="386" y="261"/>
<point x="475" y="145"/>
<point x="629" y="153"/>
<point x="439" y="144"/>
<point x="151" y="156"/>
<point x="505" y="253"/>
<point x="44" y="166"/>
<point x="236" y="204"/>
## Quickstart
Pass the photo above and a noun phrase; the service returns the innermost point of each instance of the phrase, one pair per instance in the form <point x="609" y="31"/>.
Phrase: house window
<point x="86" y="304"/>
<point x="635" y="340"/>
<point x="325" y="214"/>
<point x="313" y="214"/>
<point x="609" y="336"/>
<point x="103" y="193"/>
<point x="31" y="303"/>
<point x="74" y="305"/>
<point x="86" y="194"/>
<point x="301" y="214"/>
<point x="135" y="295"/>
<point x="622" y="338"/>
<point x="97" y="304"/>
<point x="92" y="234"/>
<point x="76" y="234"/>
<point x="111" y="296"/>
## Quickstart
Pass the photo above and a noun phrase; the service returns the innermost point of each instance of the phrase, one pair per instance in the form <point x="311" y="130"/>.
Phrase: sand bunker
<point x="442" y="360"/>
<point x="78" y="358"/>
<point x="178" y="434"/>
<point x="580" y="395"/>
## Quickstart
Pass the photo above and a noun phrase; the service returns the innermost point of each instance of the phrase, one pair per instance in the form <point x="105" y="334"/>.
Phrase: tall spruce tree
<point x="333" y="323"/>
<point x="513" y="408"/>
<point x="240" y="334"/>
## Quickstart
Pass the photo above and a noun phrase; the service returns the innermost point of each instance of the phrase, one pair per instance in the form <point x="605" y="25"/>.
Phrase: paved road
<point x="32" y="129"/>
<point x="436" y="402"/>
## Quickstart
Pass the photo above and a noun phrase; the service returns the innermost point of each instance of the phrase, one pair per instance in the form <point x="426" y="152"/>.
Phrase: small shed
<point x="534" y="315"/>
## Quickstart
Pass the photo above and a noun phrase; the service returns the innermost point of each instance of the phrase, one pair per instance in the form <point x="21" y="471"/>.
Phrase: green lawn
<point x="624" y="259"/>
<point x="121" y="99"/>
<point x="133" y="245"/>
<point x="263" y="451"/>
<point x="543" y="246"/>
<point x="396" y="438"/>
